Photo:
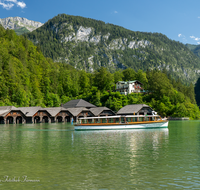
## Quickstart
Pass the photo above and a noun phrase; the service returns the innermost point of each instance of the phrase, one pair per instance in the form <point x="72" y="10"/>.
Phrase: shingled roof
<point x="4" y="110"/>
<point x="77" y="104"/>
<point x="54" y="110"/>
<point x="130" y="109"/>
<point x="76" y="111"/>
<point x="96" y="111"/>
<point x="28" y="111"/>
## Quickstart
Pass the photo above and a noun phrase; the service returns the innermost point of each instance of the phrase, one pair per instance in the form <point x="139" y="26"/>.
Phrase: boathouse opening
<point x="59" y="119"/>
<point x="67" y="118"/>
<point x="9" y="120"/>
<point x="37" y="119"/>
<point x="1" y="120"/>
<point x="45" y="119"/>
<point x="19" y="120"/>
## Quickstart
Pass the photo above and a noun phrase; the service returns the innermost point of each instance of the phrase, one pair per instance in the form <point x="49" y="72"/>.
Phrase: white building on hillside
<point x="127" y="87"/>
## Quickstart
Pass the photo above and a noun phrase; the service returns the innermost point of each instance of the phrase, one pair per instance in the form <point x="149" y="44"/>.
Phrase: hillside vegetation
<point x="195" y="49"/>
<point x="27" y="78"/>
<point x="88" y="44"/>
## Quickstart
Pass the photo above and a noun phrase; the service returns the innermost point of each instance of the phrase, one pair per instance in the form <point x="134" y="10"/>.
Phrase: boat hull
<point x="122" y="126"/>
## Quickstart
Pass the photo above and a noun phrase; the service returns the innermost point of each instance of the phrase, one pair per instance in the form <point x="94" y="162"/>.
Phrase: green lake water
<point x="54" y="156"/>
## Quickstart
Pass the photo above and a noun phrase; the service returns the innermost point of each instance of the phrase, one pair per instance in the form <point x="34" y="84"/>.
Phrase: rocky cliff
<point x="16" y="23"/>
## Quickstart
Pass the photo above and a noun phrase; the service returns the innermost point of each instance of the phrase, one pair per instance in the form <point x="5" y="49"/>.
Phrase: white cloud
<point x="21" y="4"/>
<point x="198" y="16"/>
<point x="181" y="36"/>
<point x="8" y="4"/>
<point x="196" y="39"/>
<point x="115" y="12"/>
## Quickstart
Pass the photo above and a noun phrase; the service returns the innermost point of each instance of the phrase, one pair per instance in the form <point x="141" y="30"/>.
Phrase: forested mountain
<point x="194" y="48"/>
<point x="27" y="78"/>
<point x="89" y="44"/>
<point x="19" y="24"/>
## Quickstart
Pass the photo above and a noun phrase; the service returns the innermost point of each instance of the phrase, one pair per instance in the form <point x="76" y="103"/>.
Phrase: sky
<point x="179" y="20"/>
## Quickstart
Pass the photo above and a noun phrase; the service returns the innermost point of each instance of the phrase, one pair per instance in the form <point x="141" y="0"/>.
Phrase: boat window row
<point x="118" y="120"/>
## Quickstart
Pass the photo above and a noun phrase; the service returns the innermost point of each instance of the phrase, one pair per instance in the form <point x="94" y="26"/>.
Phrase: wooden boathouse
<point x="73" y="109"/>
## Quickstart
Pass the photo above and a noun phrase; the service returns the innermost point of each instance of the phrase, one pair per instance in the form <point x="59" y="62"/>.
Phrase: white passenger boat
<point x="121" y="122"/>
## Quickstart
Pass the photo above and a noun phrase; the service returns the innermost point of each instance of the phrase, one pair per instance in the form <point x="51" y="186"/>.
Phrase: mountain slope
<point x="195" y="49"/>
<point x="20" y="25"/>
<point x="89" y="44"/>
<point x="23" y="71"/>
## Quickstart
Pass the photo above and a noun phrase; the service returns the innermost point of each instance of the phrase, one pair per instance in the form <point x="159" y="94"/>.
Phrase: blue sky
<point x="178" y="19"/>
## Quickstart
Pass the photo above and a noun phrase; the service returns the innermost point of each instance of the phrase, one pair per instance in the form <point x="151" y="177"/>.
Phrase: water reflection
<point x="126" y="159"/>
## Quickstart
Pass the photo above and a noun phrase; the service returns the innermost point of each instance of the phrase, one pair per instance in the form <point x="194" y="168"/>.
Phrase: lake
<point x="54" y="156"/>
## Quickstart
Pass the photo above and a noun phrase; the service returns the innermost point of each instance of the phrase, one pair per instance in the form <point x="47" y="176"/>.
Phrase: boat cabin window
<point x="146" y="119"/>
<point x="110" y="120"/>
<point x="128" y="119"/>
<point x="83" y="121"/>
<point x="141" y="118"/>
<point x="103" y="120"/>
<point x="122" y="120"/>
<point x="134" y="119"/>
<point x="90" y="121"/>
<point x="97" y="120"/>
<point x="116" y="120"/>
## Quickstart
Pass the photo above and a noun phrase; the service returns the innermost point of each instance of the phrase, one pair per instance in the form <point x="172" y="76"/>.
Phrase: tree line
<point x="27" y="78"/>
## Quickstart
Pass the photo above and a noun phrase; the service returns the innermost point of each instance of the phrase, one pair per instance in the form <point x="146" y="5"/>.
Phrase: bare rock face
<point x="19" y="22"/>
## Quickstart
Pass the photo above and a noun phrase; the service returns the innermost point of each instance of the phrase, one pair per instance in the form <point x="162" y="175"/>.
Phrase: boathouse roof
<point x="28" y="111"/>
<point x="131" y="109"/>
<point x="4" y="110"/>
<point x="76" y="111"/>
<point x="98" y="110"/>
<point x="77" y="104"/>
<point x="53" y="111"/>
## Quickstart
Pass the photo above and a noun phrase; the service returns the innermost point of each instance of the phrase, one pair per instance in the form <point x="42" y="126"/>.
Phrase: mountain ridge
<point x="20" y="24"/>
<point x="88" y="44"/>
